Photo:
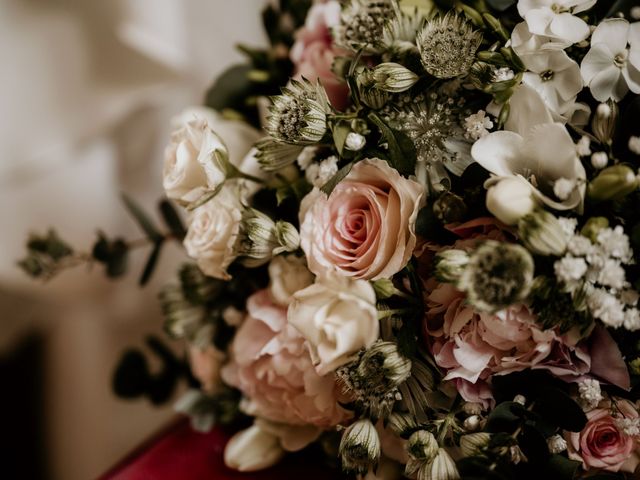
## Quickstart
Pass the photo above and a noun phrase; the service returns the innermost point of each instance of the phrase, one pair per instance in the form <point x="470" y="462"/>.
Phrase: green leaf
<point x="142" y="219"/>
<point x="402" y="151"/>
<point x="172" y="219"/>
<point x="231" y="89"/>
<point x="151" y="264"/>
<point x="51" y="245"/>
<point x="556" y="406"/>
<point x="505" y="417"/>
<point x="112" y="253"/>
<point x="204" y="198"/>
<point x="340" y="132"/>
<point x="562" y="468"/>
<point x="328" y="187"/>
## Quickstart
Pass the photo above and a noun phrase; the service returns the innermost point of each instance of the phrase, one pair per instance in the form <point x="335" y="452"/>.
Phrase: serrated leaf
<point x="142" y="219"/>
<point x="172" y="219"/>
<point x="151" y="264"/>
<point x="333" y="182"/>
<point x="402" y="151"/>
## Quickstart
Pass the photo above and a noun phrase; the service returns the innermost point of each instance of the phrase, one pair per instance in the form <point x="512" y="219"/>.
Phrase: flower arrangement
<point x="426" y="261"/>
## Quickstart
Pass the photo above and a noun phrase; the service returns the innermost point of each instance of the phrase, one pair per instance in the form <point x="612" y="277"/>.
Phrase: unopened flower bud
<point x="472" y="423"/>
<point x="383" y="365"/>
<point x="422" y="446"/>
<point x="556" y="444"/>
<point x="473" y="443"/>
<point x="450" y="264"/>
<point x="449" y="208"/>
<point x="599" y="160"/>
<point x="355" y="142"/>
<point x="258" y="237"/>
<point x="613" y="183"/>
<point x="634" y="144"/>
<point x="542" y="233"/>
<point x="288" y="237"/>
<point x="393" y="77"/>
<point x="373" y="98"/>
<point x="516" y="455"/>
<point x="360" y="447"/>
<point x="604" y="121"/>
<point x="472" y="408"/>
<point x="592" y="228"/>
<point x="442" y="468"/>
<point x="252" y="449"/>
<point x="402" y="424"/>
<point x="384" y="288"/>
<point x="521" y="399"/>
<point x="510" y="199"/>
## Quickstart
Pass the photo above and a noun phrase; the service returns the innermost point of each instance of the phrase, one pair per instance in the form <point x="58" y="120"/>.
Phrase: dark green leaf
<point x="501" y="5"/>
<point x="556" y="406"/>
<point x="337" y="178"/>
<point x="562" y="468"/>
<point x="533" y="444"/>
<point x="505" y="417"/>
<point x="112" y="253"/>
<point x="231" y="89"/>
<point x="172" y="219"/>
<point x="340" y="132"/>
<point x="402" y="151"/>
<point x="152" y="261"/>
<point x="51" y="245"/>
<point x="142" y="219"/>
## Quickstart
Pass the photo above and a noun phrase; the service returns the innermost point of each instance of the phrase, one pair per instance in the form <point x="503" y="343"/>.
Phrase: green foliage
<point x="328" y="187"/>
<point x="402" y="151"/>
<point x="113" y="254"/>
<point x="172" y="219"/>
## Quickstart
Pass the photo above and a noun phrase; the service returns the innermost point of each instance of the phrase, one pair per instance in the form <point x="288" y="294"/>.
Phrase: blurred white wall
<point x="87" y="88"/>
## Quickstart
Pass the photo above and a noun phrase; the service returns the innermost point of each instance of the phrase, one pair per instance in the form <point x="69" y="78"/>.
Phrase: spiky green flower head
<point x="362" y="24"/>
<point x="299" y="115"/>
<point x="448" y="45"/>
<point x="498" y="275"/>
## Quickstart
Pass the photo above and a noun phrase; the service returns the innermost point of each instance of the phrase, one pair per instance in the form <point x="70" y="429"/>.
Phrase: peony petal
<point x="498" y="152"/>
<point x="612" y="32"/>
<point x="605" y="84"/>
<point x="570" y="28"/>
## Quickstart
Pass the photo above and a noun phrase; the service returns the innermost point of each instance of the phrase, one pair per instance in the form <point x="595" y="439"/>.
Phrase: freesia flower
<point x="556" y="18"/>
<point x="612" y="67"/>
<point x="536" y="150"/>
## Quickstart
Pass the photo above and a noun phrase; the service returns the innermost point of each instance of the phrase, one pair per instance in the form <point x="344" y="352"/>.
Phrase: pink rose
<point x="313" y="52"/>
<point x="271" y="365"/>
<point x="366" y="227"/>
<point x="205" y="365"/>
<point x="603" y="443"/>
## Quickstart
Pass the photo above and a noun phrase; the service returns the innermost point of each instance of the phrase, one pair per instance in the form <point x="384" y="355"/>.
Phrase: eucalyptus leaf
<point x="151" y="264"/>
<point x="143" y="220"/>
<point x="172" y="219"/>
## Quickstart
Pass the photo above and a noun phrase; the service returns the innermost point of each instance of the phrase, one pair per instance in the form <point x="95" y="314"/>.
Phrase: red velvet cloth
<point x="180" y="453"/>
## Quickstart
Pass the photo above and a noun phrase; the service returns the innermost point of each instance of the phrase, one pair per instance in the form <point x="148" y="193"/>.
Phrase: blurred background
<point x="87" y="90"/>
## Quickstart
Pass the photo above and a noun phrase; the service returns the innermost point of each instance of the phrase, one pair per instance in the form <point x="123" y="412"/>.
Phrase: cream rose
<point x="366" y="227"/>
<point x="213" y="232"/>
<point x="196" y="157"/>
<point x="337" y="316"/>
<point x="288" y="274"/>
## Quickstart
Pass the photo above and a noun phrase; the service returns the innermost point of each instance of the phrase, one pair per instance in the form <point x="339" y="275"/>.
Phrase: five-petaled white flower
<point x="612" y="67"/>
<point x="556" y="18"/>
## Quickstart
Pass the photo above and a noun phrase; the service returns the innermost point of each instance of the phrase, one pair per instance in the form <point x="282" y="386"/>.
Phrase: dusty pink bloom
<point x="603" y="443"/>
<point x="366" y="227"/>
<point x="271" y="365"/>
<point x="313" y="52"/>
<point x="205" y="365"/>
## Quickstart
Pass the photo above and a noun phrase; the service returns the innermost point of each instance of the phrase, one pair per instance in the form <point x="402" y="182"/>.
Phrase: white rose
<point x="288" y="274"/>
<point x="338" y="317"/>
<point x="510" y="199"/>
<point x="213" y="232"/>
<point x="196" y="158"/>
<point x="252" y="449"/>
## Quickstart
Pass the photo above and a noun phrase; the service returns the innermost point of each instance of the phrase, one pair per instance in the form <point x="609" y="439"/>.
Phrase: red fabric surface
<point x="180" y="453"/>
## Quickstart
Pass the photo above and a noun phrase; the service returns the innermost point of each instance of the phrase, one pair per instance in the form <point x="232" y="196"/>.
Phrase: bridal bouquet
<point x="420" y="252"/>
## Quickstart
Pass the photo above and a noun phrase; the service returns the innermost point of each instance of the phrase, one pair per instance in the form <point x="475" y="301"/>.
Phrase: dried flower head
<point x="448" y="45"/>
<point x="299" y="115"/>
<point x="362" y="24"/>
<point x="498" y="275"/>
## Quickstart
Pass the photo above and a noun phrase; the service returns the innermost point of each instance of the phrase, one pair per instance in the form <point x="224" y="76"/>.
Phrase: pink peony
<point x="313" y="52"/>
<point x="271" y="365"/>
<point x="365" y="228"/>
<point x="603" y="442"/>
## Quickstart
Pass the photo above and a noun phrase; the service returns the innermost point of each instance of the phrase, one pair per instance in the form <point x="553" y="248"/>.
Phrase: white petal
<point x="568" y="27"/>
<point x="595" y="61"/>
<point x="527" y="110"/>
<point x="582" y="6"/>
<point x="538" y="20"/>
<point x="498" y="152"/>
<point x="634" y="36"/>
<point x="569" y="82"/>
<point x="605" y="84"/>
<point x="614" y="33"/>
<point x="525" y="5"/>
<point x="632" y="78"/>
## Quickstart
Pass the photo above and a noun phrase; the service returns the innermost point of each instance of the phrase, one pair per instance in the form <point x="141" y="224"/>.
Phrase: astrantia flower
<point x="399" y="33"/>
<point x="448" y="45"/>
<point x="362" y="23"/>
<point x="498" y="275"/>
<point x="612" y="67"/>
<point x="556" y="18"/>
<point x="360" y="447"/>
<point x="299" y="115"/>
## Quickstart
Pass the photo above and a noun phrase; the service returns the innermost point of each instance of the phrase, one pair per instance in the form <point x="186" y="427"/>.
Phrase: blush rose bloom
<point x="213" y="232"/>
<point x="366" y="227"/>
<point x="602" y="443"/>
<point x="313" y="52"/>
<point x="270" y="364"/>
<point x="338" y="317"/>
<point x="288" y="274"/>
<point x="190" y="163"/>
